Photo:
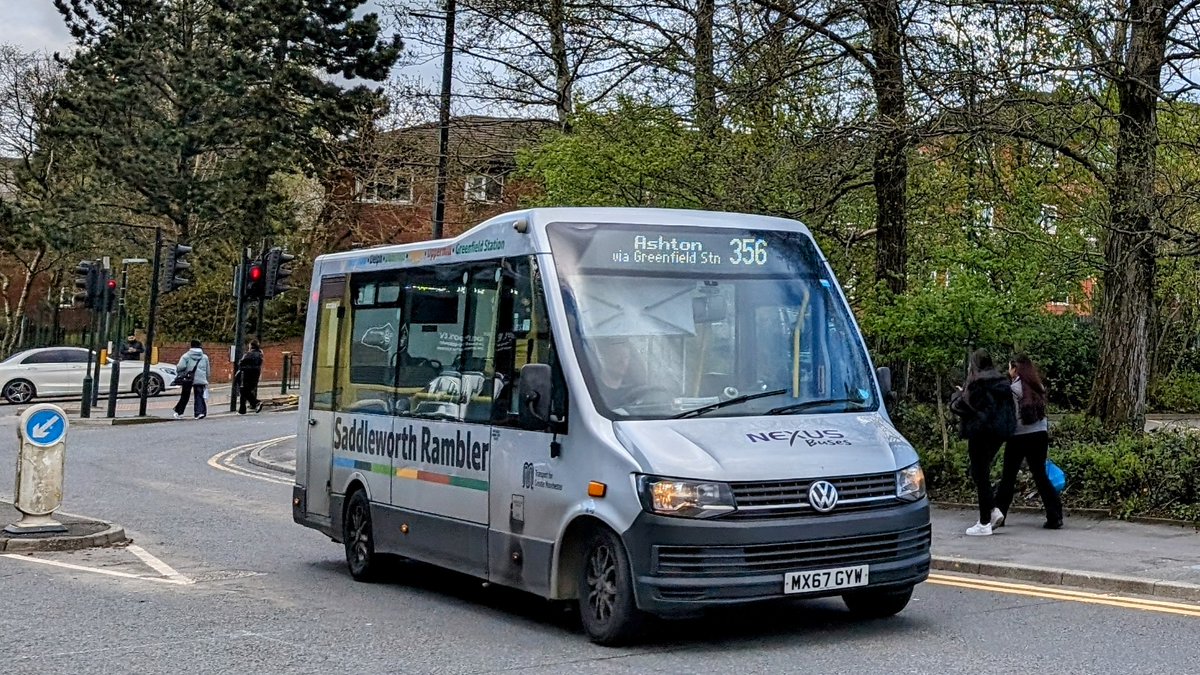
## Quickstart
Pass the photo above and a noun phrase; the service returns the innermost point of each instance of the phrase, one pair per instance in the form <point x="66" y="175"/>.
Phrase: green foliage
<point x="1178" y="393"/>
<point x="1064" y="347"/>
<point x="192" y="109"/>
<point x="1155" y="474"/>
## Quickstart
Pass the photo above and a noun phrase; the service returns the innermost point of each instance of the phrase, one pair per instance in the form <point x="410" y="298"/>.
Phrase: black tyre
<point x="359" y="538"/>
<point x="877" y="604"/>
<point x="155" y="388"/>
<point x="19" y="391"/>
<point x="607" y="608"/>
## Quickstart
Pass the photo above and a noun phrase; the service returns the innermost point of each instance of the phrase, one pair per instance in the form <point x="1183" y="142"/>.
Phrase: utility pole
<point x="439" y="198"/>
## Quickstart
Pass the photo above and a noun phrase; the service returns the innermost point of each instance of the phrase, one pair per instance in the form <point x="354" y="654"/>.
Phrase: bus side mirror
<point x="884" y="375"/>
<point x="533" y="392"/>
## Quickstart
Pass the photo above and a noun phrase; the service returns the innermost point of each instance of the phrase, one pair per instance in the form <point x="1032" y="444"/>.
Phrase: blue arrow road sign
<point x="45" y="427"/>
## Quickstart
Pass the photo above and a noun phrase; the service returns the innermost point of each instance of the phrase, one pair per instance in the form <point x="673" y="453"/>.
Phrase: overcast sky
<point x="33" y="25"/>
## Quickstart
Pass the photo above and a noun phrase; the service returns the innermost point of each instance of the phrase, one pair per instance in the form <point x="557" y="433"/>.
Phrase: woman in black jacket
<point x="984" y="405"/>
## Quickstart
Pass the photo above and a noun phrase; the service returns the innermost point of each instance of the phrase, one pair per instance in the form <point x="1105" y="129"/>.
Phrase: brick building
<point x="385" y="192"/>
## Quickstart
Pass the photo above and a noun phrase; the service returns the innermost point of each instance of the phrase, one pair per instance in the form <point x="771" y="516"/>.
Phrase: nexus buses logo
<point x="810" y="437"/>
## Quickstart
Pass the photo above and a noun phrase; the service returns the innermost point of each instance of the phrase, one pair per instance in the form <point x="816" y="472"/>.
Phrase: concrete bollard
<point x="41" y="460"/>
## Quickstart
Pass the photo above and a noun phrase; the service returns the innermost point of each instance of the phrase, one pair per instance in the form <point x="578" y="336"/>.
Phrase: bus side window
<point x="325" y="346"/>
<point x="373" y="344"/>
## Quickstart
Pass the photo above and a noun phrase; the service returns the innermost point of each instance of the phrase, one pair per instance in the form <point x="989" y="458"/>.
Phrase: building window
<point x="395" y="189"/>
<point x="484" y="188"/>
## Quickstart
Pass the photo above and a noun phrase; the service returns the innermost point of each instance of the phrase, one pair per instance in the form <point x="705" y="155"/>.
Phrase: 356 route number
<point x="748" y="251"/>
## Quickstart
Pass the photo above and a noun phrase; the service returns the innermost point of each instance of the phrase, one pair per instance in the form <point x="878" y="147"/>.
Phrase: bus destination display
<point x="711" y="251"/>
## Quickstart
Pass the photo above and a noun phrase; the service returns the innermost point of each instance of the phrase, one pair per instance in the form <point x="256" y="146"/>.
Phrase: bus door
<point x="323" y="398"/>
<point x="529" y="489"/>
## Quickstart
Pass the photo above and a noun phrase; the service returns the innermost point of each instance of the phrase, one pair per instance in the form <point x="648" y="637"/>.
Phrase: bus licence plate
<point x="814" y="581"/>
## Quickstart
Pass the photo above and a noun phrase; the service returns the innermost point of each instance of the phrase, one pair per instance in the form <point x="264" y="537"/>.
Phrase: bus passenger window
<point x="374" y="341"/>
<point x="325" y="358"/>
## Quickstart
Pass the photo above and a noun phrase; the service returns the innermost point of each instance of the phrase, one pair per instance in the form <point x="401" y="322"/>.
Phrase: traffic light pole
<point x="85" y="404"/>
<point x="103" y="326"/>
<point x="149" y="353"/>
<point x="114" y="378"/>
<point x="237" y="352"/>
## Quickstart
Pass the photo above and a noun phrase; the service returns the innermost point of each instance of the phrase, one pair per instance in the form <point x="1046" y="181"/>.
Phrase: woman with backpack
<point x="1030" y="442"/>
<point x="987" y="417"/>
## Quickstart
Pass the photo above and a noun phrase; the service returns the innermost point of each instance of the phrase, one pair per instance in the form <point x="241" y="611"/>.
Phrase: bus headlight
<point x="910" y="483"/>
<point x="685" y="498"/>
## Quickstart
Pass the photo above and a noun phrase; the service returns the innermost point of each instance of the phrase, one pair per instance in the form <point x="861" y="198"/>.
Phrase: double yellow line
<point x="1126" y="602"/>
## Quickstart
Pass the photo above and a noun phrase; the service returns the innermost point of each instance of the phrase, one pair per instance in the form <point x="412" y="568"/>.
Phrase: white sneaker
<point x="178" y="416"/>
<point x="979" y="530"/>
<point x="997" y="519"/>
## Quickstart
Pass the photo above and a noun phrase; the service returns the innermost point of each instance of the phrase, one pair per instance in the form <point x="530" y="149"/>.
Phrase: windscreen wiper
<point x="694" y="412"/>
<point x="804" y="405"/>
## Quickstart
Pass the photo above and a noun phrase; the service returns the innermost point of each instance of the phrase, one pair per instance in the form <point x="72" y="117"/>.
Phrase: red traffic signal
<point x="253" y="280"/>
<point x="112" y="284"/>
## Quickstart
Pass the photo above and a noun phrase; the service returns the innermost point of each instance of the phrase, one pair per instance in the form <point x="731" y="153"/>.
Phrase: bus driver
<point x="621" y="376"/>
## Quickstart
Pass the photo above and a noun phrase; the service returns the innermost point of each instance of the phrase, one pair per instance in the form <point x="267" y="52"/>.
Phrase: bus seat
<point x="370" y="405"/>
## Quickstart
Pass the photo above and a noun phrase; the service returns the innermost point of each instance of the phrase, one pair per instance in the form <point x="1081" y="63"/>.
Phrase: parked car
<point x="59" y="371"/>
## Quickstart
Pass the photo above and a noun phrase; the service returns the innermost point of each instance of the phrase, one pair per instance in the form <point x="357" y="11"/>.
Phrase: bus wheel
<point x="359" y="538"/>
<point x="877" y="604"/>
<point x="607" y="608"/>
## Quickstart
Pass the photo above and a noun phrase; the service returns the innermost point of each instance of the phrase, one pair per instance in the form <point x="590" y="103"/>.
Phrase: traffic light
<point x="278" y="271"/>
<point x="108" y="295"/>
<point x="254" y="283"/>
<point x="87" y="280"/>
<point x="176" y="265"/>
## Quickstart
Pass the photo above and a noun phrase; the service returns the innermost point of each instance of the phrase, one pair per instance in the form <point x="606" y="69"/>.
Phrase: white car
<point x="59" y="371"/>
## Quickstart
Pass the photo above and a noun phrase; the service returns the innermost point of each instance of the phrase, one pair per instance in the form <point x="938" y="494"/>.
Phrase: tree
<point x="194" y="105"/>
<point x="38" y="214"/>
<point x="876" y="24"/>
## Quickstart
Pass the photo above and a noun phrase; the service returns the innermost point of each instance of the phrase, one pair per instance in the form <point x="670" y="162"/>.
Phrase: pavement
<point x="159" y="408"/>
<point x="82" y="532"/>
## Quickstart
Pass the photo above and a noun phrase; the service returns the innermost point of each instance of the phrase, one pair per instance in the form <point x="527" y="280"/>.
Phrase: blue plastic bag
<point x="1057" y="478"/>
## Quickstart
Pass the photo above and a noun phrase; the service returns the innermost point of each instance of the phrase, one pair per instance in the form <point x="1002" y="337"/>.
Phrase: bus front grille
<point x="758" y="559"/>
<point x="777" y="499"/>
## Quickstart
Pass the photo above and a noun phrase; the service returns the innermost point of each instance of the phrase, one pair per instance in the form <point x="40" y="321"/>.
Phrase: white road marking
<point x="179" y="579"/>
<point x="158" y="565"/>
<point x="226" y="460"/>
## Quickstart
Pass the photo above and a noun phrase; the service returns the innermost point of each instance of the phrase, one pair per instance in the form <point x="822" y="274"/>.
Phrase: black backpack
<point x="987" y="408"/>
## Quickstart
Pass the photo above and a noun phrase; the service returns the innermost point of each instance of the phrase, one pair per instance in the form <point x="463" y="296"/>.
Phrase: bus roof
<point x="498" y="233"/>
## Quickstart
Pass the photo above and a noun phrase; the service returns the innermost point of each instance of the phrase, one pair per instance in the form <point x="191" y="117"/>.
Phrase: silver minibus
<point x="646" y="411"/>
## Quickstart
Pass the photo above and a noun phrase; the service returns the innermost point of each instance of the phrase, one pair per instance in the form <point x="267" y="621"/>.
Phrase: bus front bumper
<point x="681" y="565"/>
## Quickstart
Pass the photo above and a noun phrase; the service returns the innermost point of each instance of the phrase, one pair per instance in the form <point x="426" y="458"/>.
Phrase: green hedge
<point x="1179" y="393"/>
<point x="1155" y="474"/>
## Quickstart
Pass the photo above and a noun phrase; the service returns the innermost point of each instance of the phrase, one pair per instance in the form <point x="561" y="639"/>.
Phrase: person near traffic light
<point x="193" y="372"/>
<point x="987" y="417"/>
<point x="132" y="350"/>
<point x="249" y="370"/>
<point x="1029" y="443"/>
